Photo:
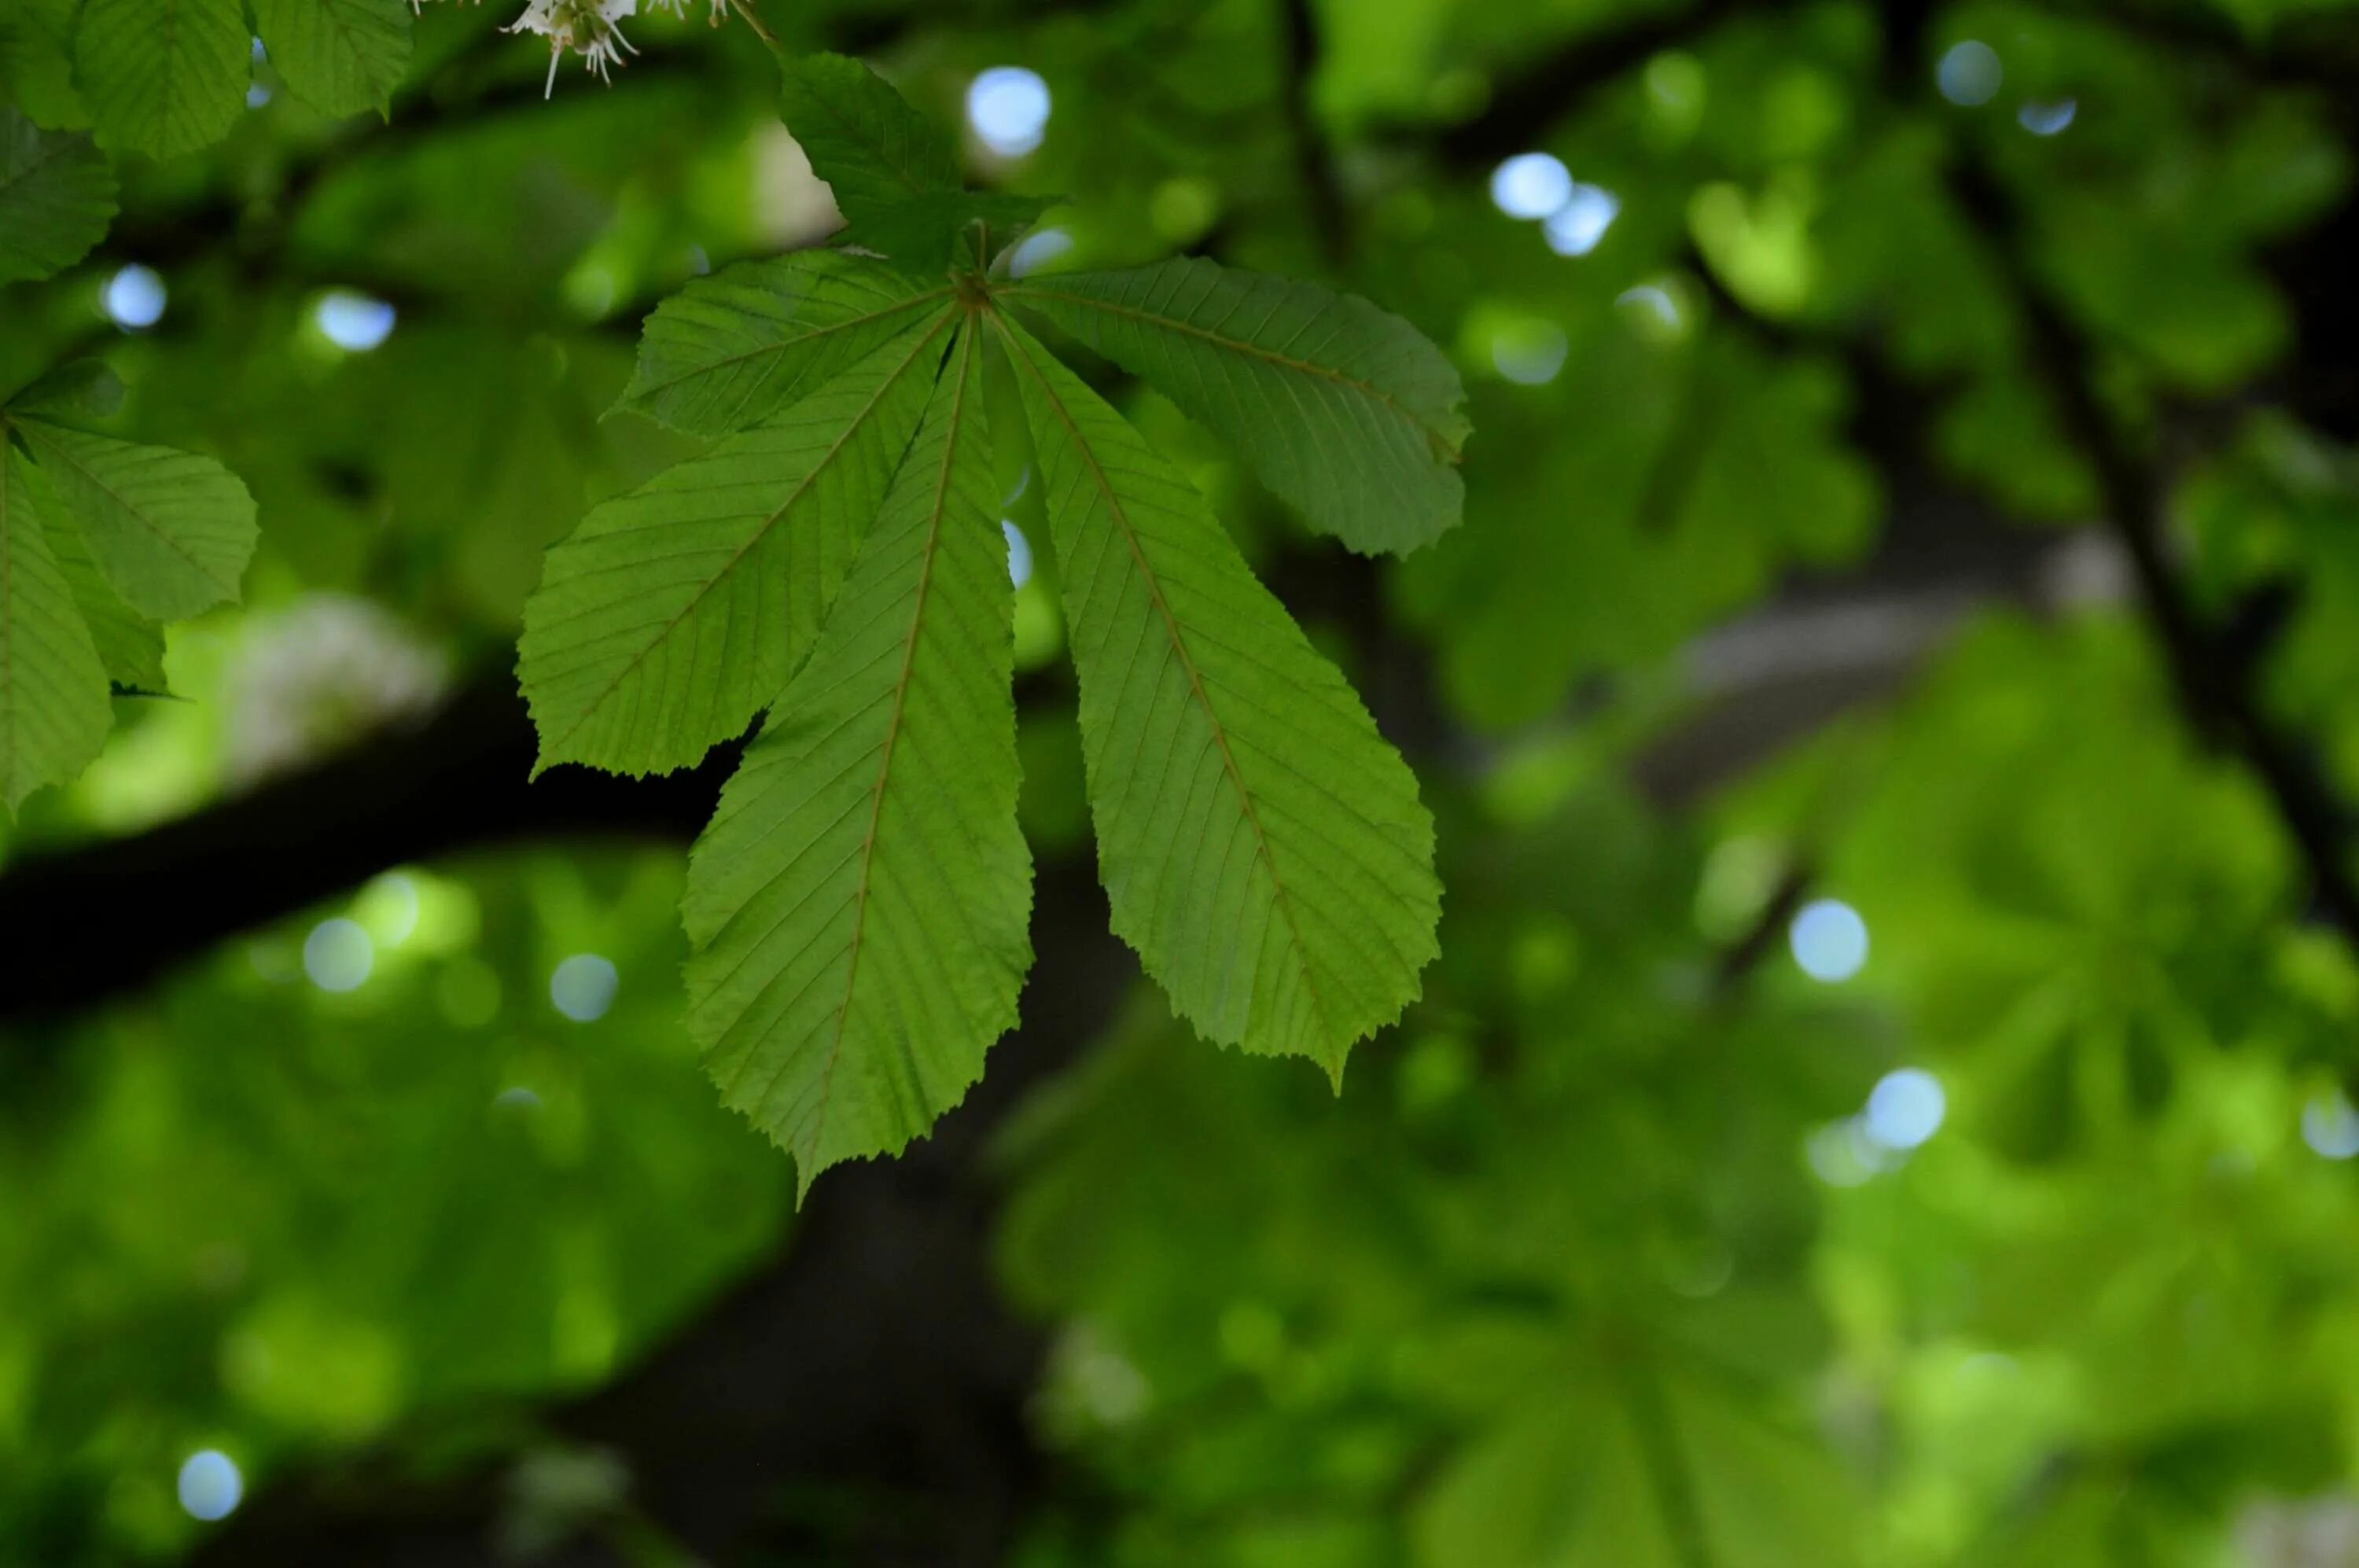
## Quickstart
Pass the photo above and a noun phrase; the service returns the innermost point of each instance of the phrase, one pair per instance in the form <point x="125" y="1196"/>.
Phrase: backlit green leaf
<point x="163" y="77"/>
<point x="53" y="706"/>
<point x="56" y="196"/>
<point x="858" y="905"/>
<point x="1348" y="413"/>
<point x="342" y="57"/>
<point x="733" y="349"/>
<point x="860" y="136"/>
<point x="171" y="530"/>
<point x="1264" y="848"/>
<point x="674" y="613"/>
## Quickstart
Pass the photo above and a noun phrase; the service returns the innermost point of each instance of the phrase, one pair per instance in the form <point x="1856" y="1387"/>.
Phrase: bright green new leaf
<point x="731" y="349"/>
<point x="53" y="707"/>
<point x="1348" y="413"/>
<point x="56" y="196"/>
<point x="674" y="613"/>
<point x="342" y="57"/>
<point x="870" y="147"/>
<point x="858" y="907"/>
<point x="171" y="530"/>
<point x="1264" y="848"/>
<point x="163" y="77"/>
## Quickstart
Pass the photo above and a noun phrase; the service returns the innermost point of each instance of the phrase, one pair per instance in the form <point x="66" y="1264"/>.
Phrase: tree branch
<point x="2214" y="686"/>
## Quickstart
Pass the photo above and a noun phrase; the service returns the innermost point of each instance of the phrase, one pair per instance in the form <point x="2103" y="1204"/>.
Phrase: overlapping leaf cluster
<point x="101" y="541"/>
<point x="858" y="905"/>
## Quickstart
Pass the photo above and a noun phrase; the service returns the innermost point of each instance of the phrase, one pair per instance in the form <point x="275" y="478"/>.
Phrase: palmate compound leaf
<point x="53" y="708"/>
<point x="675" y="613"/>
<point x="1262" y="847"/>
<point x="858" y="907"/>
<point x="342" y="57"/>
<point x="733" y="349"/>
<point x="56" y="196"/>
<point x="163" y="77"/>
<point x="171" y="530"/>
<point x="1348" y="413"/>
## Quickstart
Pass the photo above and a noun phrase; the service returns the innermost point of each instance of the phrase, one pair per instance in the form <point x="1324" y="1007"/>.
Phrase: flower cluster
<point x="591" y="28"/>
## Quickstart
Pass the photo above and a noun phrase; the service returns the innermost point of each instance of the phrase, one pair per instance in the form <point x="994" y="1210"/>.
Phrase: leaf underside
<point x="730" y="350"/>
<point x="1346" y="412"/>
<point x="676" y="613"/>
<point x="870" y="147"/>
<point x="858" y="907"/>
<point x="1262" y="847"/>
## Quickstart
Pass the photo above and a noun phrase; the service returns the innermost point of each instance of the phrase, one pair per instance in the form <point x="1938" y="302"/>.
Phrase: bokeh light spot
<point x="582" y="986"/>
<point x="1905" y="1108"/>
<point x="1969" y="73"/>
<point x="2046" y="119"/>
<point x="353" y="321"/>
<point x="1828" y="940"/>
<point x="1038" y="249"/>
<point x="1531" y="355"/>
<point x="209" y="1485"/>
<point x="337" y="955"/>
<point x="2331" y="1127"/>
<point x="1531" y="185"/>
<point x="1008" y="107"/>
<point x="1577" y="227"/>
<point x="135" y="297"/>
<point x="1020" y="554"/>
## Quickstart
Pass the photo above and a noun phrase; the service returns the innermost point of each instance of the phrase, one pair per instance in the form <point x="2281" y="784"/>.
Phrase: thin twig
<point x="753" y="20"/>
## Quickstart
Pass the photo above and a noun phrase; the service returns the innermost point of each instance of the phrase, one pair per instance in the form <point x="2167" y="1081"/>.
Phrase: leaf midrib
<point x="709" y="366"/>
<point x="893" y="731"/>
<point x="1238" y="345"/>
<point x="760" y="533"/>
<point x="1195" y="681"/>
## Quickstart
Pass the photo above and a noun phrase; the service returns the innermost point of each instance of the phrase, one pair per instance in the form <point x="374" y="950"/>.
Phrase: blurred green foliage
<point x="1786" y="573"/>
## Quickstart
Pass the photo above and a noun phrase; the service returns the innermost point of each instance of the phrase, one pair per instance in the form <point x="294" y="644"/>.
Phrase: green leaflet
<point x="858" y="907"/>
<point x="1347" y="412"/>
<point x="130" y="646"/>
<point x="56" y="196"/>
<point x="870" y="147"/>
<point x="342" y="57"/>
<point x="733" y="349"/>
<point x="53" y="708"/>
<point x="674" y="613"/>
<point x="162" y="76"/>
<point x="1262" y="847"/>
<point x="171" y="530"/>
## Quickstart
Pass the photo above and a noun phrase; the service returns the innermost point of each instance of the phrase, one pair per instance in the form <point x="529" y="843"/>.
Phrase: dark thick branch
<point x="106" y="918"/>
<point x="2214" y="683"/>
